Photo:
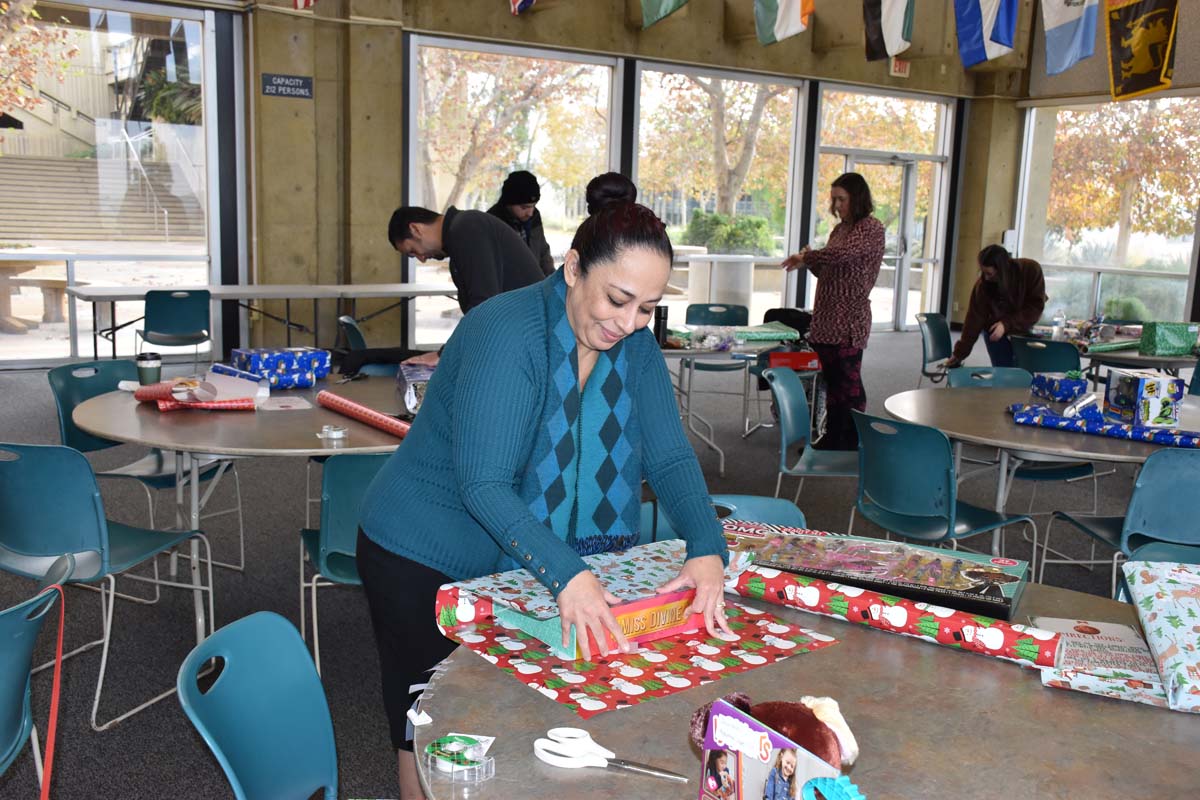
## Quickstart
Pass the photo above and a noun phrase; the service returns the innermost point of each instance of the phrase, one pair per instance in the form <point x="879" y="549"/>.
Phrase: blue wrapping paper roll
<point x="1044" y="417"/>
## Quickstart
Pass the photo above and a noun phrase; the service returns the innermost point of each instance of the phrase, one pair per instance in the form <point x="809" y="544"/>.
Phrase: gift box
<point x="1106" y="659"/>
<point x="284" y="367"/>
<point x="799" y="360"/>
<point x="1167" y="598"/>
<point x="1169" y="338"/>
<point x="1062" y="387"/>
<point x="1143" y="398"/>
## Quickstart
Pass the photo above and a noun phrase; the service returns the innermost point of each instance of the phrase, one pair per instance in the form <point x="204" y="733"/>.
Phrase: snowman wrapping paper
<point x="1167" y="598"/>
<point x="466" y="614"/>
<point x="971" y="632"/>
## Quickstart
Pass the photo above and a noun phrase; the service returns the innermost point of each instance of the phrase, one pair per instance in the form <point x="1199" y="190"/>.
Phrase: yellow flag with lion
<point x="1141" y="45"/>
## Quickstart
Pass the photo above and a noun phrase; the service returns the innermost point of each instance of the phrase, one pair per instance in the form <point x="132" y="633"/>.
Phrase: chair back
<point x="344" y="481"/>
<point x="1194" y="384"/>
<point x="178" y="311"/>
<point x="50" y="506"/>
<point x="935" y="338"/>
<point x="752" y="508"/>
<point x="354" y="335"/>
<point x="1040" y="355"/>
<point x="716" y="314"/>
<point x="795" y="421"/>
<point x="905" y="468"/>
<point x="1162" y="551"/>
<point x="264" y="716"/>
<point x="997" y="377"/>
<point x="1157" y="509"/>
<point x="74" y="383"/>
<point x="19" y="628"/>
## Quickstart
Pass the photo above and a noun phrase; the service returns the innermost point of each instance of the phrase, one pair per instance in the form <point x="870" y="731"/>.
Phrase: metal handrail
<point x="146" y="182"/>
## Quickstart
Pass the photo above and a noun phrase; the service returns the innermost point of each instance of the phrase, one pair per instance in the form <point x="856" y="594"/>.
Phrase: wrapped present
<point x="1103" y="658"/>
<point x="766" y="332"/>
<point x="1134" y="690"/>
<point x="1062" y="387"/>
<point x="971" y="632"/>
<point x="1143" y="398"/>
<point x="1167" y="598"/>
<point x="1043" y="417"/>
<point x="296" y="367"/>
<point x="1169" y="338"/>
<point x="234" y="372"/>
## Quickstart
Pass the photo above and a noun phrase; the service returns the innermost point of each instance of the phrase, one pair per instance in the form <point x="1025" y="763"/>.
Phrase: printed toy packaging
<point x="971" y="582"/>
<point x="1143" y="398"/>
<point x="746" y="760"/>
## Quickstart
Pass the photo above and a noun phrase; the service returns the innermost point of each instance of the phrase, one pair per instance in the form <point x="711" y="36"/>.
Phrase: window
<point x="900" y="145"/>
<point x="714" y="160"/>
<point x="106" y="158"/>
<point x="1109" y="205"/>
<point x="482" y="112"/>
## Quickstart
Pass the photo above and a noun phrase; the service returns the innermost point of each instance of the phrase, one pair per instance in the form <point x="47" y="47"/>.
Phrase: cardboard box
<point x="799" y="360"/>
<point x="1143" y="398"/>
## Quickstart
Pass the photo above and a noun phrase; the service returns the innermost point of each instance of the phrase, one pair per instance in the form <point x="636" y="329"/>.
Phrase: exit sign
<point x="899" y="68"/>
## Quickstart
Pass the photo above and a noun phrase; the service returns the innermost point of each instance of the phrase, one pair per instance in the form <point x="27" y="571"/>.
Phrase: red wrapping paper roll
<point x="155" y="391"/>
<point x="947" y="627"/>
<point x="237" y="404"/>
<point x="364" y="414"/>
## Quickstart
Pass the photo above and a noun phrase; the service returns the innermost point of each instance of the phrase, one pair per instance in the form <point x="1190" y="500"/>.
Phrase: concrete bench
<point x="54" y="295"/>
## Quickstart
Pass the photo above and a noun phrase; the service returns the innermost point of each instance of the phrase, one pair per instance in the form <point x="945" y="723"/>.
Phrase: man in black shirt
<point x="517" y="208"/>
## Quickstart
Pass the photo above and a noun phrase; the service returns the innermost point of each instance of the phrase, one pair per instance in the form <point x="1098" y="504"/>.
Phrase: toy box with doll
<point x="1143" y="398"/>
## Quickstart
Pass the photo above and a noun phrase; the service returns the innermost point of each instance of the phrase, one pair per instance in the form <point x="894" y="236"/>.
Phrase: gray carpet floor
<point x="157" y="753"/>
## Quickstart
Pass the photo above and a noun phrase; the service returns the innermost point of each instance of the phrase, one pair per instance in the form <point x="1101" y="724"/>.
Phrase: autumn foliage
<point x="28" y="48"/>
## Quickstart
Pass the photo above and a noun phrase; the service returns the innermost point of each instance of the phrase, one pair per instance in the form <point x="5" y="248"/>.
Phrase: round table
<point x="931" y="722"/>
<point x="978" y="415"/>
<point x="195" y="434"/>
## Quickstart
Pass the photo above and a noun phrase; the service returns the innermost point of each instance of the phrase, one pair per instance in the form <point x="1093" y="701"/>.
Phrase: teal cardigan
<point x="503" y="428"/>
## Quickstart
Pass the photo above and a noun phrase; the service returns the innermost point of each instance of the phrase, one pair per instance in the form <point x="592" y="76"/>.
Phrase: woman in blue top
<point x="549" y="406"/>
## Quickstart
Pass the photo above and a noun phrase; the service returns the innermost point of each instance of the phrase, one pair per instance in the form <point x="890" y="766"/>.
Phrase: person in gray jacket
<point x="518" y="209"/>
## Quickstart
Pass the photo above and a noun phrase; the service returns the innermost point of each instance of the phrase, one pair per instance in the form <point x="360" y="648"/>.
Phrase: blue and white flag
<point x="986" y="29"/>
<point x="1070" y="32"/>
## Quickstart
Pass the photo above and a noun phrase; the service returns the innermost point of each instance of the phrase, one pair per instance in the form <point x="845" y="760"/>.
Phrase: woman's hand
<point x="429" y="359"/>
<point x="584" y="603"/>
<point x="951" y="363"/>
<point x="706" y="574"/>
<point x="997" y="332"/>
<point x="795" y="261"/>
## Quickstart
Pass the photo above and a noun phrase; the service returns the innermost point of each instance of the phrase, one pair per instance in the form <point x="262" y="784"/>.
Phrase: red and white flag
<point x="300" y="5"/>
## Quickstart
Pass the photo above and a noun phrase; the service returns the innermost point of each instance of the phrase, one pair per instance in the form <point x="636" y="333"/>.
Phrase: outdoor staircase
<point x="84" y="199"/>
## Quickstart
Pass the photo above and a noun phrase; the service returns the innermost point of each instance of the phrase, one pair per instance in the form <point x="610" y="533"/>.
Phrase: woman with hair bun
<point x="611" y="187"/>
<point x="845" y="269"/>
<point x="550" y="405"/>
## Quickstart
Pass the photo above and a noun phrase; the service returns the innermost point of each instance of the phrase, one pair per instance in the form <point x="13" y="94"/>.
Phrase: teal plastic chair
<point x="264" y="716"/>
<point x="176" y="318"/>
<point x="907" y="486"/>
<point x="935" y="346"/>
<point x="1041" y="355"/>
<point x="795" y="428"/>
<point x="72" y="384"/>
<point x="50" y="506"/>
<point x="1157" y="551"/>
<point x="995" y="377"/>
<point x="331" y="548"/>
<point x="1194" y="384"/>
<point x="1158" y="511"/>
<point x="711" y="314"/>
<point x="752" y="508"/>
<point x="355" y="340"/>
<point x="19" y="629"/>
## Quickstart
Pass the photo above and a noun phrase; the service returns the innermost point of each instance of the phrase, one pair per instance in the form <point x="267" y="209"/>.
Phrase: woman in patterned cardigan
<point x="845" y="269"/>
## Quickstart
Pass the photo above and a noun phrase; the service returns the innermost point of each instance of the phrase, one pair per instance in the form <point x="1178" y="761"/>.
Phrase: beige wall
<point x="328" y="171"/>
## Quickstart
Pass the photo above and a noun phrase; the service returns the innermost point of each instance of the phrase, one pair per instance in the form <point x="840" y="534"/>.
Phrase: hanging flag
<point x="654" y="10"/>
<point x="776" y="20"/>
<point x="520" y="5"/>
<point x="986" y="29"/>
<point x="300" y="5"/>
<point x="1141" y="45"/>
<point x="889" y="27"/>
<point x="1070" y="32"/>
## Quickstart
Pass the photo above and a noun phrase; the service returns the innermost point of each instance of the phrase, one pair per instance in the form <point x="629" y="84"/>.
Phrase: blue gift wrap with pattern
<point x="1063" y="387"/>
<point x="284" y="367"/>
<point x="1043" y="417"/>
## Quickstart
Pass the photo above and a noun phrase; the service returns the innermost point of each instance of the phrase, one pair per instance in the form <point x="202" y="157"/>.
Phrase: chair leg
<point x="37" y="755"/>
<point x="308" y="495"/>
<point x="316" y="634"/>
<point x="1041" y="575"/>
<point x="1112" y="592"/>
<point x="240" y="566"/>
<point x="778" y="483"/>
<point x="850" y="527"/>
<point x="303" y="628"/>
<point x="799" y="489"/>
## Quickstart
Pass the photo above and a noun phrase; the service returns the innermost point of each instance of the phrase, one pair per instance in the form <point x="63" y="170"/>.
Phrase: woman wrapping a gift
<point x="549" y="406"/>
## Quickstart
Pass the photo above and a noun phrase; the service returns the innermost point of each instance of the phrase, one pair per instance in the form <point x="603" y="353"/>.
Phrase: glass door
<point x="892" y="183"/>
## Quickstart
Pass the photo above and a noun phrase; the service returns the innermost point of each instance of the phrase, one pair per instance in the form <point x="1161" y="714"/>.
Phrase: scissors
<point x="572" y="748"/>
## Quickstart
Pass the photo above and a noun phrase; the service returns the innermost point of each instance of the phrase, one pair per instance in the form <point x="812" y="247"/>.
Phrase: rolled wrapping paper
<point x="1043" y="417"/>
<point x="1167" y="598"/>
<point x="236" y="404"/>
<point x="944" y="626"/>
<point x="364" y="414"/>
<point x="172" y="396"/>
<point x="163" y="390"/>
<point x="1112" y="347"/>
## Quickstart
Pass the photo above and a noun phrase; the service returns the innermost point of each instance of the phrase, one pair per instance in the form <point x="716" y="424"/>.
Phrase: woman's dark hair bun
<point x="611" y="187"/>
